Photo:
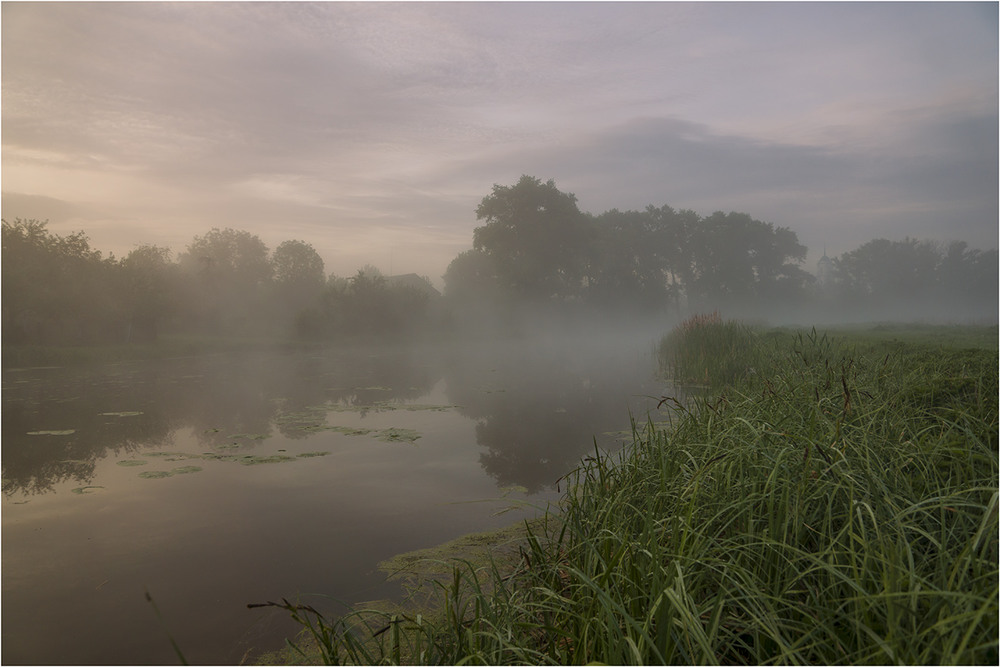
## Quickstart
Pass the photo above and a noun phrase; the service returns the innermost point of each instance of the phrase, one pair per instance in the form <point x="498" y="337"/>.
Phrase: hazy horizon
<point x="373" y="130"/>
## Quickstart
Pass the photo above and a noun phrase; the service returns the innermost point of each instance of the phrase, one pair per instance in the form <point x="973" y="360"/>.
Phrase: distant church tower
<point x="824" y="270"/>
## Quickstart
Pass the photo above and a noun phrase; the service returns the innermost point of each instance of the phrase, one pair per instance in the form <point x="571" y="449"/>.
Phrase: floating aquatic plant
<point x="132" y="462"/>
<point x="160" y="474"/>
<point x="398" y="435"/>
<point x="349" y="430"/>
<point x="80" y="490"/>
<point x="255" y="460"/>
<point x="66" y="432"/>
<point x="120" y="414"/>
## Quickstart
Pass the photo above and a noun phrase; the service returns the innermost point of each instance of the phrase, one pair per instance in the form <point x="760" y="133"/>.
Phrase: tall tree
<point x="56" y="289"/>
<point x="471" y="276"/>
<point x="231" y="271"/>
<point x="149" y="290"/>
<point x="737" y="260"/>
<point x="536" y="236"/>
<point x="299" y="277"/>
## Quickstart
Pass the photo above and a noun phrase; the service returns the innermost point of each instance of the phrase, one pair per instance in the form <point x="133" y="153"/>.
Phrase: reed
<point x="837" y="506"/>
<point x="707" y="351"/>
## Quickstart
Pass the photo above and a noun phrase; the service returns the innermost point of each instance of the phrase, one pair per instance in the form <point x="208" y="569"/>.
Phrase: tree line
<point x="534" y="248"/>
<point x="57" y="290"/>
<point x="536" y="245"/>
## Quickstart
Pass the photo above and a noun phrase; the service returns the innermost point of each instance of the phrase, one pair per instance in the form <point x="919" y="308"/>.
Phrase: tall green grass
<point x="707" y="351"/>
<point x="838" y="505"/>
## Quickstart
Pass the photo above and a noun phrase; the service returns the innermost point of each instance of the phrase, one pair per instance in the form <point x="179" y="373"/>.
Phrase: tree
<point x="471" y="276"/>
<point x="148" y="290"/>
<point x="298" y="277"/>
<point x="883" y="271"/>
<point x="229" y="255"/>
<point x="739" y="261"/>
<point x="536" y="237"/>
<point x="910" y="278"/>
<point x="56" y="289"/>
<point x="631" y="255"/>
<point x="231" y="272"/>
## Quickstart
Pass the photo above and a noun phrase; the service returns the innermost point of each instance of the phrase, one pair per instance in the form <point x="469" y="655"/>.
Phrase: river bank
<point x="832" y="499"/>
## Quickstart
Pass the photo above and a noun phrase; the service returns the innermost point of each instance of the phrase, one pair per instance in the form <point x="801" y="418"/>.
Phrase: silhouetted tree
<point x="737" y="261"/>
<point x="892" y="279"/>
<point x="536" y="236"/>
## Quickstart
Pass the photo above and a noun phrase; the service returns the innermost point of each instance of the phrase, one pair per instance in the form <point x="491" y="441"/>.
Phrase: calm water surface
<point x="236" y="478"/>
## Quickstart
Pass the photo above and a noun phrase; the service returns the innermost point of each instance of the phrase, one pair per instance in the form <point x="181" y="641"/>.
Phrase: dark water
<point x="87" y="530"/>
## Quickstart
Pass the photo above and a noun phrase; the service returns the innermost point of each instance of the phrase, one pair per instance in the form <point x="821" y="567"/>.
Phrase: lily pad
<point x="154" y="474"/>
<point x="132" y="462"/>
<point x="398" y="435"/>
<point x="120" y="414"/>
<point x="66" y="432"/>
<point x="307" y="455"/>
<point x="184" y="470"/>
<point x="80" y="490"/>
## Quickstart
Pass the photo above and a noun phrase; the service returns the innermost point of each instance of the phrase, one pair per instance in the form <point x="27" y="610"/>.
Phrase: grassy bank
<point x="831" y="499"/>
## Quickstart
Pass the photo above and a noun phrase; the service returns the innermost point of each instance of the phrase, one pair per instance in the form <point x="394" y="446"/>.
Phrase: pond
<point x="228" y="479"/>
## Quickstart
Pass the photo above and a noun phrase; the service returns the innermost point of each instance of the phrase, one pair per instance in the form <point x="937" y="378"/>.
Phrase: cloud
<point x="384" y="124"/>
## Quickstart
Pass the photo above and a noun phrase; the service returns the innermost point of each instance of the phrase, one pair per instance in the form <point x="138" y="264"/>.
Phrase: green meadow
<point x="811" y="498"/>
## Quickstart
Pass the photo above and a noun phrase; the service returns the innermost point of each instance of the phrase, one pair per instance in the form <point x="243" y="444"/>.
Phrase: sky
<point x="373" y="130"/>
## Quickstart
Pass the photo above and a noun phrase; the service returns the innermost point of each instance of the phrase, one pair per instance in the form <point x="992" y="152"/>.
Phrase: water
<point x="403" y="449"/>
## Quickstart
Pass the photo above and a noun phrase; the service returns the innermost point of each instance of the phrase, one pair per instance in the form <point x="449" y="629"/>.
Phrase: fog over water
<point x="292" y="288"/>
<point x="162" y="476"/>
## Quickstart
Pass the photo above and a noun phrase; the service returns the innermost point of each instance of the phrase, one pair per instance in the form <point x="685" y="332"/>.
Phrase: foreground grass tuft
<point x="838" y="505"/>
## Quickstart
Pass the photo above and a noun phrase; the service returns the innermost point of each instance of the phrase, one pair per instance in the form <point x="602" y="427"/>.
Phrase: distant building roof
<point x="414" y="281"/>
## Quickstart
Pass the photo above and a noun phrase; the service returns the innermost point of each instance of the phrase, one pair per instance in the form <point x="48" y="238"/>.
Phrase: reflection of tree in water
<point x="228" y="401"/>
<point x="77" y="402"/>
<point x="540" y="411"/>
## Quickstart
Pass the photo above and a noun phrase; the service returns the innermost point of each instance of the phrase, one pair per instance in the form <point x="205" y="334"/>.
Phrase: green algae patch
<point x="398" y="435"/>
<point x="349" y="430"/>
<point x="70" y="431"/>
<point x="212" y="456"/>
<point x="81" y="490"/>
<point x="421" y="407"/>
<point x="420" y="568"/>
<point x="181" y="457"/>
<point x="257" y="460"/>
<point x="160" y="474"/>
<point x="131" y="462"/>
